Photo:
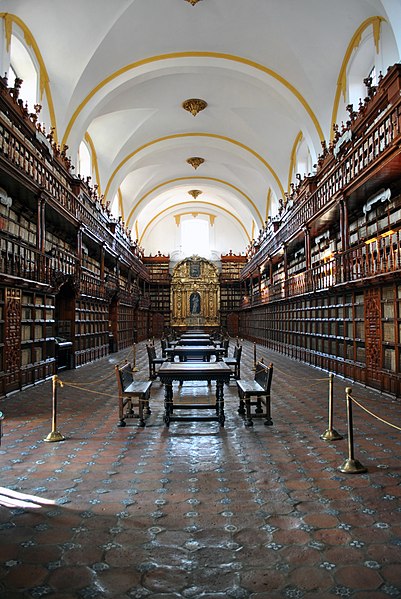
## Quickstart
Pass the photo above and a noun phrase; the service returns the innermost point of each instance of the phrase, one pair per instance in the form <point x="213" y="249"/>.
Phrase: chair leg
<point x="248" y="419"/>
<point x="121" y="421"/>
<point x="241" y="409"/>
<point x="268" y="421"/>
<point x="141" y="422"/>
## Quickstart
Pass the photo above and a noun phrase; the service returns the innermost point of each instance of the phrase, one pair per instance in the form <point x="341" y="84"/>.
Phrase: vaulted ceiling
<point x="117" y="74"/>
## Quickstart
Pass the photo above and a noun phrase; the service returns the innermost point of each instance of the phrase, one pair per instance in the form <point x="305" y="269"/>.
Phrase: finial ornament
<point x="194" y="193"/>
<point x="195" y="161"/>
<point x="194" y="105"/>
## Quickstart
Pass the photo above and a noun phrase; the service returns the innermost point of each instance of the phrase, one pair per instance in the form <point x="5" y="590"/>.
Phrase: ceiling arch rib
<point x="177" y="209"/>
<point x="180" y="193"/>
<point x="153" y="194"/>
<point x="86" y="109"/>
<point x="128" y="163"/>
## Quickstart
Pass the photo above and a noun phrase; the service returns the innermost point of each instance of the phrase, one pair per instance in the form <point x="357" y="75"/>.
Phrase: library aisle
<point x="195" y="510"/>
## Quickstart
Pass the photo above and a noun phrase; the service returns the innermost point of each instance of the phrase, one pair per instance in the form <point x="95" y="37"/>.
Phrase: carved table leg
<point x="168" y="402"/>
<point x="248" y="419"/>
<point x="220" y="402"/>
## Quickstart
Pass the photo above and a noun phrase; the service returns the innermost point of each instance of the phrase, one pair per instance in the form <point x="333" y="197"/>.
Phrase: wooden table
<point x="194" y="352"/>
<point x="194" y="336"/>
<point x="194" y="341"/>
<point x="194" y="371"/>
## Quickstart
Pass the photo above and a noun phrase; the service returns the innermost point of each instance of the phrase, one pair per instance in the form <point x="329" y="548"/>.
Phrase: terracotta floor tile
<point x="193" y="510"/>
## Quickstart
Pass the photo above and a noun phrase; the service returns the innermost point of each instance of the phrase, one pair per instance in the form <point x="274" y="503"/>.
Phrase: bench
<point x="259" y="389"/>
<point x="131" y="394"/>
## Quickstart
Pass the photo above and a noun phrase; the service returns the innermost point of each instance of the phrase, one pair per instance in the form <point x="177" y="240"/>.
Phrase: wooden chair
<point x="259" y="389"/>
<point x="131" y="394"/>
<point x="154" y="361"/>
<point x="235" y="362"/>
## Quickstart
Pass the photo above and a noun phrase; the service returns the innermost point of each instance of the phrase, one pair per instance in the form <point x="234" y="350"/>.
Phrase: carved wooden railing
<point x="91" y="285"/>
<point x="381" y="256"/>
<point x="20" y="261"/>
<point x="376" y="141"/>
<point x="49" y="177"/>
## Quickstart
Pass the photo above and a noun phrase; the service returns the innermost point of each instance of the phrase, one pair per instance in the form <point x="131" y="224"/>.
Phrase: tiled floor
<point x="195" y="510"/>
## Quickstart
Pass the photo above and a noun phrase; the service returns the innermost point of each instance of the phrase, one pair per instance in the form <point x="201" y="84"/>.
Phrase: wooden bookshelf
<point x="37" y="336"/>
<point x="91" y="330"/>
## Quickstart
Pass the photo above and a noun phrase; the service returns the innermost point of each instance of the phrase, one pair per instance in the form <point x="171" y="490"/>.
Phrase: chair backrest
<point x="263" y="375"/>
<point x="237" y="353"/>
<point x="164" y="345"/>
<point x="151" y="352"/>
<point x="124" y="376"/>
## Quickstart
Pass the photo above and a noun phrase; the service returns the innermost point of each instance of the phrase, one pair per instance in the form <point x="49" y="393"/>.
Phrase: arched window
<point x="23" y="67"/>
<point x="195" y="237"/>
<point x="84" y="160"/>
<point x="304" y="160"/>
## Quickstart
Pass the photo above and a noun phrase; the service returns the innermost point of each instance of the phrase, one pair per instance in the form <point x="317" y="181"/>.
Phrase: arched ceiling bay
<point x="119" y="72"/>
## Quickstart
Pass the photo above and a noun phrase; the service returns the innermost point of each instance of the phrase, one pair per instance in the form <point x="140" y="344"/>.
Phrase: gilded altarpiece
<point x="195" y="294"/>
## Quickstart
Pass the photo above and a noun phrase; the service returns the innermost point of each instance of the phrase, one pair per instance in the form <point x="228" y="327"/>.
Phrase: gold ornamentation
<point x="195" y="294"/>
<point x="195" y="161"/>
<point x="194" y="193"/>
<point x="194" y="105"/>
<point x="193" y="2"/>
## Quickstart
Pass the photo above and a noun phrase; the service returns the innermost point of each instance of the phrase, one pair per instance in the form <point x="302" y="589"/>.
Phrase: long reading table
<point x="194" y="371"/>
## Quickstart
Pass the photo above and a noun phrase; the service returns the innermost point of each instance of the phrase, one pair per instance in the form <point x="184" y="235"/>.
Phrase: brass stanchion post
<point x="54" y="435"/>
<point x="351" y="466"/>
<point x="254" y="355"/>
<point x="134" y="368"/>
<point x="1" y="424"/>
<point x="331" y="434"/>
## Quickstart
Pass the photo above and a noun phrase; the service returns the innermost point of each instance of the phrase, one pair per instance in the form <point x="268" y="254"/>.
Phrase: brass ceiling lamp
<point x="194" y="105"/>
<point x="194" y="193"/>
<point x="193" y="2"/>
<point x="195" y="161"/>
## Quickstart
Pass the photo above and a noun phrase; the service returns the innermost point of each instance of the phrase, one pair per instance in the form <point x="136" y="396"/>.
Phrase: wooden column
<point x="102" y="266"/>
<point x="307" y="248"/>
<point x="344" y="225"/>
<point x="285" y="262"/>
<point x="41" y="224"/>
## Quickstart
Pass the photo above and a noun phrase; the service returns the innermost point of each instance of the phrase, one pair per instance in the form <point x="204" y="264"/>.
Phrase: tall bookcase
<point x="37" y="336"/>
<point x="91" y="330"/>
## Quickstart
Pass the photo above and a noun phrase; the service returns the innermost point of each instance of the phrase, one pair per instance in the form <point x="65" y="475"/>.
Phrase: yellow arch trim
<point x="268" y="203"/>
<point x="95" y="164"/>
<point x="120" y="204"/>
<point x="198" y="179"/>
<point x="342" y="77"/>
<point x="43" y="75"/>
<point x="217" y="55"/>
<point x="194" y="202"/>
<point x="182" y="135"/>
<point x="293" y="159"/>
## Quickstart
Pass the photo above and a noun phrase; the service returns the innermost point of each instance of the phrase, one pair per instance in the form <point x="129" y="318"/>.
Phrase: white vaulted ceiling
<point x="119" y="72"/>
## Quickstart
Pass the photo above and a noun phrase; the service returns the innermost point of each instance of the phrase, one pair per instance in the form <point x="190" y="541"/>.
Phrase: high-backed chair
<point x="256" y="393"/>
<point x="225" y="345"/>
<point x="154" y="361"/>
<point x="131" y="394"/>
<point x="235" y="362"/>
